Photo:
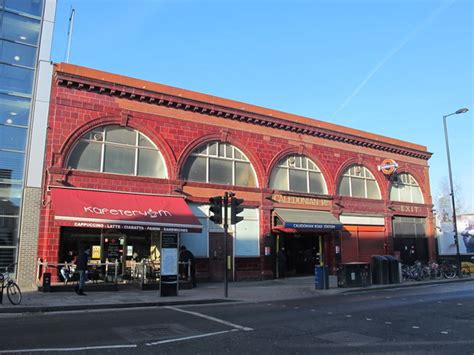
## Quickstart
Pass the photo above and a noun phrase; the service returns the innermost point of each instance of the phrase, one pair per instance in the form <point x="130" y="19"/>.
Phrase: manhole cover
<point x="348" y="338"/>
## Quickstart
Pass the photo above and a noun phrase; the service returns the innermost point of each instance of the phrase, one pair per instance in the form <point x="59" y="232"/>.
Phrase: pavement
<point x="205" y="293"/>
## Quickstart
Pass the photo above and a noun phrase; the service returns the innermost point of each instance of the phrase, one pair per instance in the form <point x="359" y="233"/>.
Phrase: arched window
<point x="298" y="173"/>
<point x="118" y="150"/>
<point x="405" y="189"/>
<point x="219" y="163"/>
<point x="358" y="181"/>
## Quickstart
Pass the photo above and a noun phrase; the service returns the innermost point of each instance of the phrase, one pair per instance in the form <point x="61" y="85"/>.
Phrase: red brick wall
<point x="73" y="112"/>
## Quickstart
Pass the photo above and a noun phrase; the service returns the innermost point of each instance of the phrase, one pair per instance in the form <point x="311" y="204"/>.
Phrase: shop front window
<point x="358" y="181"/>
<point x="219" y="163"/>
<point x="299" y="174"/>
<point x="405" y="189"/>
<point x="119" y="150"/>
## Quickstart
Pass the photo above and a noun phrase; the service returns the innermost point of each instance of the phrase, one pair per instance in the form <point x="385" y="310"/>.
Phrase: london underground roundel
<point x="388" y="166"/>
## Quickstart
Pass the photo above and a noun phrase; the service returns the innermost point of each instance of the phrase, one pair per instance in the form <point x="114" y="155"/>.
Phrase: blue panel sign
<point x="313" y="226"/>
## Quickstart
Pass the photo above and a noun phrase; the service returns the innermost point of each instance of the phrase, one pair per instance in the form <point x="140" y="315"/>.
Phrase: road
<point x="429" y="319"/>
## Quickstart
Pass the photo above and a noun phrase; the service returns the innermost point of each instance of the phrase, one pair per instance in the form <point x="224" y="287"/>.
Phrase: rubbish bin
<point x="47" y="282"/>
<point x="393" y="269"/>
<point x="321" y="277"/>
<point x="354" y="274"/>
<point x="380" y="270"/>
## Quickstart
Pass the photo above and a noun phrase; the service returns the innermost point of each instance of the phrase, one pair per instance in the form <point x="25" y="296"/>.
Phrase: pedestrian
<point x="69" y="266"/>
<point x="81" y="267"/>
<point x="281" y="256"/>
<point x="185" y="256"/>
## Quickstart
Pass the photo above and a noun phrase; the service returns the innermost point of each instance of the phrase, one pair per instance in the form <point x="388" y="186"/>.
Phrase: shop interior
<point x="115" y="255"/>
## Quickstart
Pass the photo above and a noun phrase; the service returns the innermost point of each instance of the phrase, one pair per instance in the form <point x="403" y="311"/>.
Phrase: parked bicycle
<point x="13" y="290"/>
<point x="447" y="270"/>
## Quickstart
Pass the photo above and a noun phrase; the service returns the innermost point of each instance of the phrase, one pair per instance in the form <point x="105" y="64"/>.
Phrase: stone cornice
<point x="156" y="98"/>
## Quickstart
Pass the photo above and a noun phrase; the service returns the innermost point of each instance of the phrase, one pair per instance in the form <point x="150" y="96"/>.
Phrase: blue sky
<point x="391" y="67"/>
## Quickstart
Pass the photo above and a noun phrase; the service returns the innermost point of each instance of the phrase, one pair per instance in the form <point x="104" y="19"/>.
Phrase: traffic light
<point x="235" y="209"/>
<point x="216" y="208"/>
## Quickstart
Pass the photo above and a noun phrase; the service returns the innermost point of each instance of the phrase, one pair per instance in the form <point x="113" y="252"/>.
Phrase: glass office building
<point x="26" y="28"/>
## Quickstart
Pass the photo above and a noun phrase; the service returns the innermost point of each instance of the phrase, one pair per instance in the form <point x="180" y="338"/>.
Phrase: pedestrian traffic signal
<point x="216" y="209"/>
<point x="235" y="209"/>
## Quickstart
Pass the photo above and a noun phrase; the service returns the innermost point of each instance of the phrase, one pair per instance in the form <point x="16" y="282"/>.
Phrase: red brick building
<point x="120" y="145"/>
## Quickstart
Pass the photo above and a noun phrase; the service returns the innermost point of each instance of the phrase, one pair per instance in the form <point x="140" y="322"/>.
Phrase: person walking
<point x="186" y="256"/>
<point x="81" y="267"/>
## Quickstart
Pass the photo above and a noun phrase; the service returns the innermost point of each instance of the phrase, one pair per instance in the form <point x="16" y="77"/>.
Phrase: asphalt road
<point x="429" y="319"/>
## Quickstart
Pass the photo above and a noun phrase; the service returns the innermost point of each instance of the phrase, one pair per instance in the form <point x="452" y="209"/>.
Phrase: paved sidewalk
<point x="256" y="291"/>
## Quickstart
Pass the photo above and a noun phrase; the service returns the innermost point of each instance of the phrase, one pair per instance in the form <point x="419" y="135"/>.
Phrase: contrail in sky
<point x="394" y="51"/>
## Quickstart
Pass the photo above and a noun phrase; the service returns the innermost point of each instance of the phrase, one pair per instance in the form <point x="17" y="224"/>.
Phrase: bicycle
<point x="13" y="290"/>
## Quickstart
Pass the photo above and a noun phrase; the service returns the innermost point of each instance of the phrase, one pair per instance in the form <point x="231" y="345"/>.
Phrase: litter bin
<point x="321" y="277"/>
<point x="354" y="274"/>
<point x="393" y="269"/>
<point x="47" y="282"/>
<point x="380" y="270"/>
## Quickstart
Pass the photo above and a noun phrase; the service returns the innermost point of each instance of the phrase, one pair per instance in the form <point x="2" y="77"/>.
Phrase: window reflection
<point x="14" y="110"/>
<point x="20" y="29"/>
<point x="11" y="170"/>
<point x="13" y="138"/>
<point x="30" y="7"/>
<point x="17" y="54"/>
<point x="15" y="79"/>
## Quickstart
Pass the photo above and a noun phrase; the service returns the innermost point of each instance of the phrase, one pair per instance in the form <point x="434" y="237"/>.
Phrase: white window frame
<point x="217" y="156"/>
<point x="408" y="180"/>
<point x="284" y="163"/>
<point x="103" y="130"/>
<point x="366" y="175"/>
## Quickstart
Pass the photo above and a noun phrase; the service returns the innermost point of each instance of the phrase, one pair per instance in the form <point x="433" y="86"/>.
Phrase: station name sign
<point x="313" y="226"/>
<point x="299" y="200"/>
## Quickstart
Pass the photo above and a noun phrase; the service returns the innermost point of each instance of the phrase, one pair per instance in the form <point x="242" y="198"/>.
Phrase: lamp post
<point x="456" y="239"/>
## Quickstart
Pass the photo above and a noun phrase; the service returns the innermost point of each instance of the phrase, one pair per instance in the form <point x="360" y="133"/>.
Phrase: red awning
<point x="113" y="210"/>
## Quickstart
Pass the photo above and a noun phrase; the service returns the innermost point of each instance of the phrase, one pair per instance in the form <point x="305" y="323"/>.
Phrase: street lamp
<point x="456" y="239"/>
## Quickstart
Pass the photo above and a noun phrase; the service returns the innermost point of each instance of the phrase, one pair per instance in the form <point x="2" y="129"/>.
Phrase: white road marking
<point x="296" y="308"/>
<point x="415" y="327"/>
<point x="444" y="332"/>
<point x="313" y="310"/>
<point x="191" y="337"/>
<point x="369" y="319"/>
<point x="459" y="304"/>
<point x="329" y="312"/>
<point x="388" y="322"/>
<point x="105" y="347"/>
<point x="239" y="327"/>
<point x="348" y="316"/>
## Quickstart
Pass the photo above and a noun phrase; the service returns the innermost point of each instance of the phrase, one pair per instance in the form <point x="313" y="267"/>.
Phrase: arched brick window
<point x="219" y="163"/>
<point x="358" y="181"/>
<point x="405" y="189"/>
<point x="298" y="173"/>
<point x="119" y="150"/>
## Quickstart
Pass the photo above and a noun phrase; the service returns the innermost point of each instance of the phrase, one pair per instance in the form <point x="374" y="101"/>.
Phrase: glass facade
<point x="20" y="27"/>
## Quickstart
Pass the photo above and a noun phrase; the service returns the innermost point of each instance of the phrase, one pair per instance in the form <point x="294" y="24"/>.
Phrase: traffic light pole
<point x="226" y="226"/>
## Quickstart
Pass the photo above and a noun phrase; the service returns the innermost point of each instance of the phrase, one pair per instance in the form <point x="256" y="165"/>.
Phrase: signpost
<point x="169" y="265"/>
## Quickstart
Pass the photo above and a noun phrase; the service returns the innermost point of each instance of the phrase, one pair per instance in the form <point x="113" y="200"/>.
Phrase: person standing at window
<point x="186" y="256"/>
<point x="82" y="260"/>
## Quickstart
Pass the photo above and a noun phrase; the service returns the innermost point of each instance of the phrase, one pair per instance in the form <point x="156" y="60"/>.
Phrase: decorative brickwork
<point x="178" y="121"/>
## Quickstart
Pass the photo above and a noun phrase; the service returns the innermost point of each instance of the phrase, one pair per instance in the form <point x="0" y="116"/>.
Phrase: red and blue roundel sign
<point x="388" y="166"/>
